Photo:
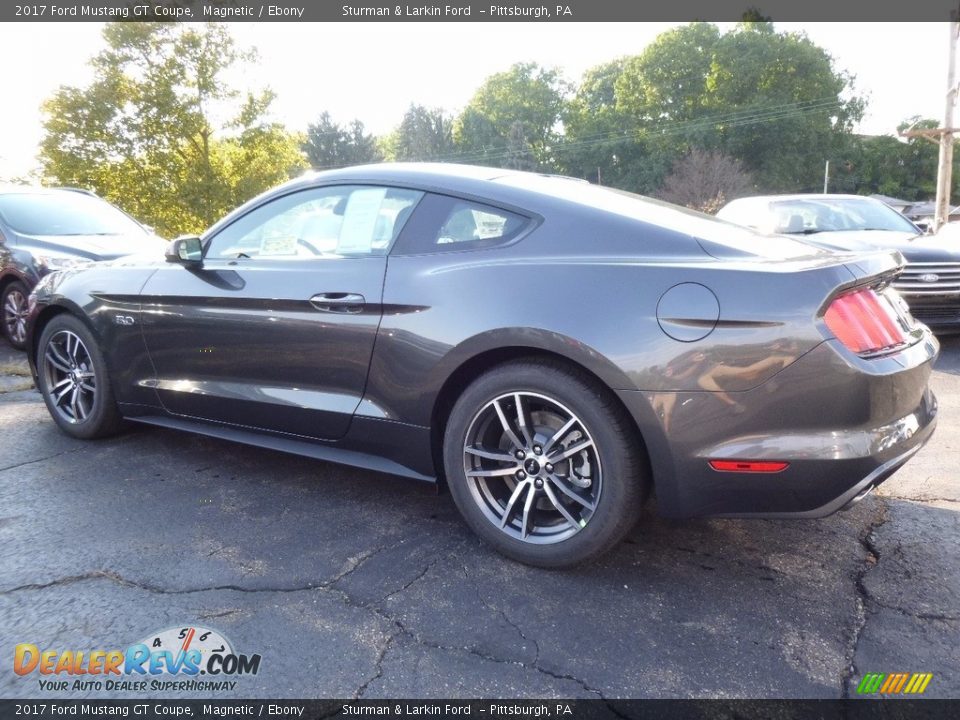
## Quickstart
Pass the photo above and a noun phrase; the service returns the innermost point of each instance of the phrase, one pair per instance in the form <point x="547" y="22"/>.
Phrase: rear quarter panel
<point x="550" y="292"/>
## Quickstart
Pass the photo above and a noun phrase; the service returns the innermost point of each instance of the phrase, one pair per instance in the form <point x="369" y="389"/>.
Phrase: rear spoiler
<point x="876" y="269"/>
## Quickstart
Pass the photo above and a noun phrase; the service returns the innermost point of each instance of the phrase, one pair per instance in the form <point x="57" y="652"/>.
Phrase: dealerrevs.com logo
<point x="173" y="659"/>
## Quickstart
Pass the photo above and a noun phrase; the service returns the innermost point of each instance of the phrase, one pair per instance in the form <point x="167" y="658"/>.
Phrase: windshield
<point x="809" y="216"/>
<point x="64" y="213"/>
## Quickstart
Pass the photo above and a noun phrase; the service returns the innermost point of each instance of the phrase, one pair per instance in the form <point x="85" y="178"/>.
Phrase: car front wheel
<point x="543" y="463"/>
<point x="14" y="305"/>
<point x="73" y="380"/>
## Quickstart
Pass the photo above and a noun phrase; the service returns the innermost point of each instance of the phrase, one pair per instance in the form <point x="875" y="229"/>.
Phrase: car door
<point x="275" y="330"/>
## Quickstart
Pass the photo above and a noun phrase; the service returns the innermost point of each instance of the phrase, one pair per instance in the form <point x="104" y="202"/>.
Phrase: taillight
<point x="864" y="322"/>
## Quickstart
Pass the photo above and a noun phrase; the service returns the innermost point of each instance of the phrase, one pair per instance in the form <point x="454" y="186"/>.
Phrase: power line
<point x="737" y="118"/>
<point x="733" y="115"/>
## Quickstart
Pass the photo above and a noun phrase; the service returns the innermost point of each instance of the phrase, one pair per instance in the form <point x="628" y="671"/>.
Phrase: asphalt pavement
<point x="354" y="584"/>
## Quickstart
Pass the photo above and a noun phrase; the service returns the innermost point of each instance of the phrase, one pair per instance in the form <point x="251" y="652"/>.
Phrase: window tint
<point x="468" y="222"/>
<point x="64" y="213"/>
<point x="342" y="220"/>
<point x="446" y="223"/>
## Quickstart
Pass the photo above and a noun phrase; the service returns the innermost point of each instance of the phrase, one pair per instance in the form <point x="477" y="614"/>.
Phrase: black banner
<point x="896" y="709"/>
<point x="508" y="11"/>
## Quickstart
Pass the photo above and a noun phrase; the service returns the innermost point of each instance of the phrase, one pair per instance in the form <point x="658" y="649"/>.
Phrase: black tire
<point x="95" y="410"/>
<point x="613" y="461"/>
<point x="13" y="305"/>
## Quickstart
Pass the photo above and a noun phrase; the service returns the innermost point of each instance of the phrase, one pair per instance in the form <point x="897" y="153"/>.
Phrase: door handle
<point x="338" y="302"/>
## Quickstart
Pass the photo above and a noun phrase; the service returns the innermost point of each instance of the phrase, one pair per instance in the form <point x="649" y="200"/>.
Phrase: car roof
<point x="10" y="189"/>
<point x="416" y="171"/>
<point x="450" y="176"/>
<point x="806" y="196"/>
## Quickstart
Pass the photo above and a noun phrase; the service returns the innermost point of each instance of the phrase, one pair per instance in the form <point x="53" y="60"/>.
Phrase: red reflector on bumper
<point x="747" y="466"/>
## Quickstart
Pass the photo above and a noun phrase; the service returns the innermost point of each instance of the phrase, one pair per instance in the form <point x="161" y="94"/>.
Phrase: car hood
<point x="915" y="248"/>
<point x="95" y="247"/>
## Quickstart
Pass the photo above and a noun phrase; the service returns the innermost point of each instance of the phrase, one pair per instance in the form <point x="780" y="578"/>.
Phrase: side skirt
<point x="367" y="433"/>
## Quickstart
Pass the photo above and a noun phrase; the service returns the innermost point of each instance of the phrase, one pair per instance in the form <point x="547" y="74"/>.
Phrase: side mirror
<point x="186" y="250"/>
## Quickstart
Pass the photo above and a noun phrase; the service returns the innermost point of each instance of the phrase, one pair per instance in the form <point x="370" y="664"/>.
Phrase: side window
<point x="339" y="220"/>
<point x="445" y="223"/>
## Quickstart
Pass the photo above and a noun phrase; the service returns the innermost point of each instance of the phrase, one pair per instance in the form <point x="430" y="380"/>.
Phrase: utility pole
<point x="945" y="168"/>
<point x="944" y="134"/>
<point x="826" y="177"/>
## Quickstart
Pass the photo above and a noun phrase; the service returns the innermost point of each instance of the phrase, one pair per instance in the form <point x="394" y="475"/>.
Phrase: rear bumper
<point x="850" y="496"/>
<point x="844" y="425"/>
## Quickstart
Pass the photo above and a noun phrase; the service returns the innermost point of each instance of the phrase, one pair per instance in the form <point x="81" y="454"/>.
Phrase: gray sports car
<point x="551" y="350"/>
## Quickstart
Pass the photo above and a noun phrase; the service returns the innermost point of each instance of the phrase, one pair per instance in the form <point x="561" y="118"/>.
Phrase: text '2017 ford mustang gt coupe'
<point x="553" y="350"/>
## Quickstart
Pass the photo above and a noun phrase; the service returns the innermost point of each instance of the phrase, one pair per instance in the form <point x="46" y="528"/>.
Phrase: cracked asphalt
<point x="354" y="584"/>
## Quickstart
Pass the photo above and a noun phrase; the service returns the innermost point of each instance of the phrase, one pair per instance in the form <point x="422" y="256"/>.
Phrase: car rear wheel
<point x="543" y="464"/>
<point x="14" y="304"/>
<point x="73" y="380"/>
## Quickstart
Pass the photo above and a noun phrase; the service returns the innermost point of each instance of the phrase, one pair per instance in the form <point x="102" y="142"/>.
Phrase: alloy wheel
<point x="15" y="316"/>
<point x="69" y="375"/>
<point x="532" y="467"/>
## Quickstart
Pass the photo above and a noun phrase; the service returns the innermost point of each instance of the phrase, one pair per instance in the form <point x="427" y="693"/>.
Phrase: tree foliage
<point x="512" y="119"/>
<point x="161" y="133"/>
<point x="423" y="134"/>
<point x="603" y="142"/>
<point x="330" y="145"/>
<point x="903" y="168"/>
<point x="799" y="105"/>
<point x="700" y="114"/>
<point x="769" y="99"/>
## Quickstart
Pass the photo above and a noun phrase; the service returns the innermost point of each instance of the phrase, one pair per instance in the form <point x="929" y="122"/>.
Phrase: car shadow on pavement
<point x="381" y="590"/>
<point x="949" y="360"/>
<point x="160" y="527"/>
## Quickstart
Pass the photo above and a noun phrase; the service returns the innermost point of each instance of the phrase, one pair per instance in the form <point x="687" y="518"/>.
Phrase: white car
<point x="931" y="281"/>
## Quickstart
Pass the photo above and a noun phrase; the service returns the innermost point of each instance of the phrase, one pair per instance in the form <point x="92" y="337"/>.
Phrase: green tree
<point x="669" y="83"/>
<point x="771" y="100"/>
<point x="519" y="150"/>
<point x="423" y="134"/>
<point x="478" y="140"/>
<point x="903" y="168"/>
<point x="160" y="132"/>
<point x="602" y="142"/>
<point x="785" y="108"/>
<point x="330" y="145"/>
<point x="521" y="105"/>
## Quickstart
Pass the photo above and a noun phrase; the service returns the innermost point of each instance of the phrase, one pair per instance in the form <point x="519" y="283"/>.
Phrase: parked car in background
<point x="552" y="349"/>
<point x="948" y="234"/>
<point x="930" y="283"/>
<point x="45" y="229"/>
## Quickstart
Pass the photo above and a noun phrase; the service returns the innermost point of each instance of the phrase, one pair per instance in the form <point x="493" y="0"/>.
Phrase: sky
<point x="373" y="71"/>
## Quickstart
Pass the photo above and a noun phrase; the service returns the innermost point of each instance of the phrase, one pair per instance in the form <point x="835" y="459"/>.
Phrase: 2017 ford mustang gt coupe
<point x="550" y="349"/>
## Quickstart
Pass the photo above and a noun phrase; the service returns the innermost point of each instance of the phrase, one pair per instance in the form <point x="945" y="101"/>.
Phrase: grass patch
<point x="14" y="369"/>
<point x="16" y="386"/>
